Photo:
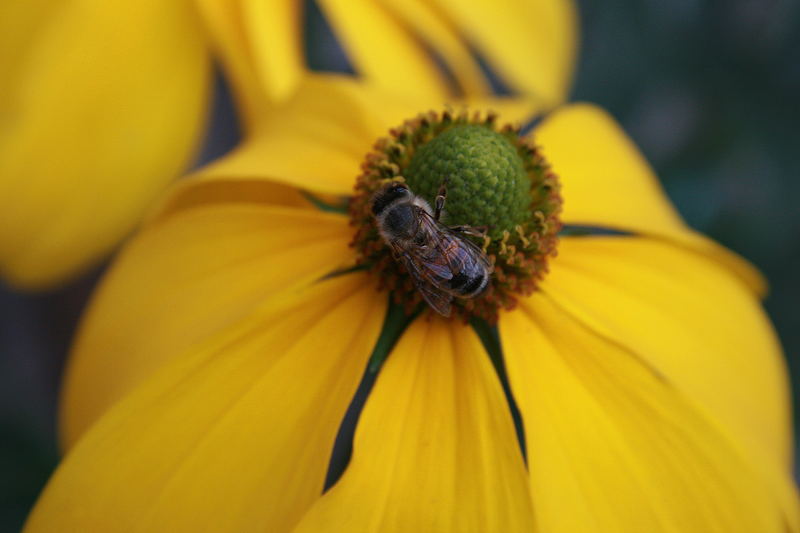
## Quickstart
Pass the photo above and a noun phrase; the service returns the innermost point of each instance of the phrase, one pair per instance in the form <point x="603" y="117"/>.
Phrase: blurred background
<point x="707" y="89"/>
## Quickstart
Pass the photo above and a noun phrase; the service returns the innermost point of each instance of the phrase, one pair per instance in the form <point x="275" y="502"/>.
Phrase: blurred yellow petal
<point x="531" y="44"/>
<point x="224" y="22"/>
<point x="435" y="449"/>
<point x="382" y="50"/>
<point x="410" y="48"/>
<point x="235" y="435"/>
<point x="615" y="445"/>
<point x="445" y="38"/>
<point x="606" y="182"/>
<point x="318" y="139"/>
<point x="181" y="280"/>
<point x="277" y="46"/>
<point x="314" y="141"/>
<point x="20" y="24"/>
<point x="105" y="110"/>
<point x="690" y="319"/>
<point x="190" y="193"/>
<point x="260" y="46"/>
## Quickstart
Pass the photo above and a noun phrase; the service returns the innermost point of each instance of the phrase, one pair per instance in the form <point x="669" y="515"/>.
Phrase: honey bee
<point x="442" y="263"/>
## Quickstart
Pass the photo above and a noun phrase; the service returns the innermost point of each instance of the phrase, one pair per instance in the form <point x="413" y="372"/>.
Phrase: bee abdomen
<point x="468" y="285"/>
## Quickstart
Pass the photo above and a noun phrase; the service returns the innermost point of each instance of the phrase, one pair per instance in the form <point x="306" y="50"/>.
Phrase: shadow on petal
<point x="435" y="449"/>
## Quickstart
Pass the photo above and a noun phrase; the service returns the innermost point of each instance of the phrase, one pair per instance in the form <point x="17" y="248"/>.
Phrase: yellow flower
<point x="220" y="355"/>
<point x="104" y="102"/>
<point x="102" y="105"/>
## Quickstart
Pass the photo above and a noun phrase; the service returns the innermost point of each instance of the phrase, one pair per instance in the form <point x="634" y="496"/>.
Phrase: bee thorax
<point x="399" y="220"/>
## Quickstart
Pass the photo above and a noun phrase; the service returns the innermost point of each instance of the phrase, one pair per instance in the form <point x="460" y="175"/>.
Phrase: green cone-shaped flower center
<point x="487" y="184"/>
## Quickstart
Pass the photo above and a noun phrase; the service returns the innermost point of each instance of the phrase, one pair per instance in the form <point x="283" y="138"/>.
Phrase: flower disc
<point x="494" y="178"/>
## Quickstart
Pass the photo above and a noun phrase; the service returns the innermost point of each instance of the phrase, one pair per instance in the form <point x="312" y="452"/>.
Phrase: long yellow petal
<point x="443" y="36"/>
<point x="234" y="436"/>
<point x="181" y="280"/>
<point x="260" y="45"/>
<point x="615" y="445"/>
<point x="395" y="46"/>
<point x="275" y="30"/>
<point x="20" y="24"/>
<point x="105" y="110"/>
<point x="692" y="320"/>
<point x="530" y="44"/>
<point x="225" y="24"/>
<point x="189" y="193"/>
<point x="606" y="182"/>
<point x="382" y="50"/>
<point x="318" y="139"/>
<point x="435" y="449"/>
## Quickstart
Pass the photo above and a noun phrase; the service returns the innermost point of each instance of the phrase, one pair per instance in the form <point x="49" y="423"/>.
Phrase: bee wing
<point x="439" y="300"/>
<point x="446" y="240"/>
<point x="430" y="260"/>
<point x="477" y="253"/>
<point x="422" y="271"/>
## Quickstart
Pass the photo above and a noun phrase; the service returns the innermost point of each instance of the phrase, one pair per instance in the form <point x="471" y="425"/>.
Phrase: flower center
<point x="496" y="183"/>
<point x="486" y="180"/>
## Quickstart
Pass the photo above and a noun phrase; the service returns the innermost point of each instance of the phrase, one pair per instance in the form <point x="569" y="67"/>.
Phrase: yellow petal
<point x="315" y="141"/>
<point x="183" y="279"/>
<point x="616" y="445"/>
<point x="189" y="193"/>
<point x="277" y="44"/>
<point x="20" y="24"/>
<point x="259" y="44"/>
<point x="606" y="182"/>
<point x="443" y="36"/>
<point x="435" y="449"/>
<point x="382" y="50"/>
<point x="318" y="139"/>
<point x="530" y="44"/>
<point x="235" y="435"/>
<point x="692" y="320"/>
<point x="100" y="116"/>
<point x="224" y="21"/>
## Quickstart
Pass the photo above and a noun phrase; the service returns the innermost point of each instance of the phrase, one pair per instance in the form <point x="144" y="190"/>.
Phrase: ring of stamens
<point x="518" y="245"/>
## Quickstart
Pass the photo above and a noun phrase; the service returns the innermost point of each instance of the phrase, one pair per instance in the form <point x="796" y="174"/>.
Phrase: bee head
<point x="388" y="195"/>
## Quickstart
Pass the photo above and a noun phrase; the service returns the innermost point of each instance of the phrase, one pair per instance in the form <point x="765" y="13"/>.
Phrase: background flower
<point x="727" y="137"/>
<point x="103" y="105"/>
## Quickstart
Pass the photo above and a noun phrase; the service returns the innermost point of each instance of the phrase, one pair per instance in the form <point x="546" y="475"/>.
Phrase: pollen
<point x="495" y="180"/>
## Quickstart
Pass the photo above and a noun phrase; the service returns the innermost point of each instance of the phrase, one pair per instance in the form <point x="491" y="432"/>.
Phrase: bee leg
<point x="474" y="231"/>
<point x="441" y="196"/>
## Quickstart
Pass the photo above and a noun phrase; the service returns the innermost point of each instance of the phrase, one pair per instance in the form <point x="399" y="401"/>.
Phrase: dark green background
<point x="708" y="90"/>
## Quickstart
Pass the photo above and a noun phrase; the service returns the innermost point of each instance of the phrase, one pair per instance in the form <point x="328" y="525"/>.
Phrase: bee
<point x="442" y="262"/>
